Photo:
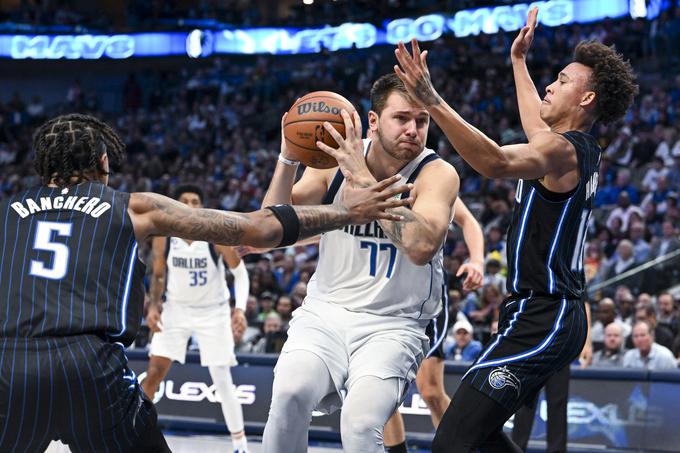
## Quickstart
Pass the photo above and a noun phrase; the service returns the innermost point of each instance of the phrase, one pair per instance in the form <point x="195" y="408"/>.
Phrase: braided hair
<point x="70" y="146"/>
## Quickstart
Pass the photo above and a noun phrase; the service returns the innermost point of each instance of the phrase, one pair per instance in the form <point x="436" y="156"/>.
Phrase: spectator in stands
<point x="622" y="261"/>
<point x="659" y="196"/>
<point x="483" y="311"/>
<point x="650" y="182"/>
<point x="272" y="338"/>
<point x="623" y="212"/>
<point x="252" y="309"/>
<point x="609" y="194"/>
<point x="641" y="247"/>
<point x="647" y="353"/>
<point x="663" y="335"/>
<point x="266" y="303"/>
<point x="611" y="356"/>
<point x="606" y="315"/>
<point x="663" y="275"/>
<point x="493" y="276"/>
<point x="286" y="274"/>
<point x="667" y="313"/>
<point x="462" y="347"/>
<point x="284" y="307"/>
<point x="644" y="300"/>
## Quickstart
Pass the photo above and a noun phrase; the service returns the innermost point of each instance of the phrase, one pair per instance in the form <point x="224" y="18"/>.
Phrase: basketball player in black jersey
<point x="72" y="288"/>
<point x="542" y="324"/>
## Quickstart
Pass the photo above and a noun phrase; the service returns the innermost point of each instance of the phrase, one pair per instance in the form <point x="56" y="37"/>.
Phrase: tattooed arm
<point x="423" y="230"/>
<point x="154" y="214"/>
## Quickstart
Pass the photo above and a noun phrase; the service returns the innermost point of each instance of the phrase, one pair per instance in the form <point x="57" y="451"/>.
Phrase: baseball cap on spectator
<point x="462" y="325"/>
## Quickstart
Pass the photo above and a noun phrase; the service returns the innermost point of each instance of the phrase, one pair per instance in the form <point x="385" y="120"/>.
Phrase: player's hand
<point x="350" y="150"/>
<point x="475" y="275"/>
<point x="586" y="357"/>
<point x="284" y="148"/>
<point x="244" y="250"/>
<point x="521" y="44"/>
<point x="366" y="204"/>
<point x="238" y="321"/>
<point x="153" y="319"/>
<point x="412" y="70"/>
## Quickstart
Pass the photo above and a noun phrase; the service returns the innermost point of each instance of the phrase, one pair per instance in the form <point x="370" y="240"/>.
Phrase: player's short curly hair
<point x="613" y="79"/>
<point x="69" y="147"/>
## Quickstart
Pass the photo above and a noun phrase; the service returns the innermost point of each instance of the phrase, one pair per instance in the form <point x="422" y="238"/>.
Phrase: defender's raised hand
<point x="412" y="70"/>
<point x="522" y="43"/>
<point x="366" y="204"/>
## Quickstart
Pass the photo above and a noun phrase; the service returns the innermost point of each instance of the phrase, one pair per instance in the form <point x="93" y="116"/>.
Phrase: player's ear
<point x="372" y="122"/>
<point x="588" y="99"/>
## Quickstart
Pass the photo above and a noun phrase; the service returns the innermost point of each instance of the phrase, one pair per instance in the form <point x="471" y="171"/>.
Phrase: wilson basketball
<point x="304" y="127"/>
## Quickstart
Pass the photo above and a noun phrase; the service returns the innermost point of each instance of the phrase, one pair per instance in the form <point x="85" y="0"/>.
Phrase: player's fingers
<point x="416" y="49"/>
<point x="393" y="203"/>
<point x="357" y="125"/>
<point x="328" y="150"/>
<point x="461" y="270"/>
<point x="283" y="120"/>
<point x="387" y="216"/>
<point x="334" y="132"/>
<point x="423" y="58"/>
<point x="531" y="19"/>
<point x="385" y="183"/>
<point x="401" y="74"/>
<point x="349" y="123"/>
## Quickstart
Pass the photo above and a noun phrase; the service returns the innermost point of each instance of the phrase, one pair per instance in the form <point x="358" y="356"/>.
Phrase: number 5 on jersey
<point x="373" y="256"/>
<point x="45" y="234"/>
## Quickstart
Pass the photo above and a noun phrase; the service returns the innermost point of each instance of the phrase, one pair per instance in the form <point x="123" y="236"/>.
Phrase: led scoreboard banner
<point x="202" y="43"/>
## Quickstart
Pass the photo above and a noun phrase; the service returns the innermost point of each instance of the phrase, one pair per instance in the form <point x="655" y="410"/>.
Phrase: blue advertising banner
<point x="205" y="42"/>
<point x="622" y="409"/>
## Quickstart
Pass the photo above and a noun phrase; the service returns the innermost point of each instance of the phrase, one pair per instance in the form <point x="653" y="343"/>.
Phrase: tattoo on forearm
<point x="208" y="225"/>
<point x="426" y="94"/>
<point x="319" y="219"/>
<point x="394" y="230"/>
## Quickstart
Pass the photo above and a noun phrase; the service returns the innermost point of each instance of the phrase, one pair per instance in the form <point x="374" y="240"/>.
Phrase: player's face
<point x="401" y="127"/>
<point x="191" y="199"/>
<point x="568" y="95"/>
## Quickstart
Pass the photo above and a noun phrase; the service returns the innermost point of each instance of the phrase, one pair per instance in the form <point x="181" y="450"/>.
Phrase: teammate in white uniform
<point x="362" y="326"/>
<point x="192" y="273"/>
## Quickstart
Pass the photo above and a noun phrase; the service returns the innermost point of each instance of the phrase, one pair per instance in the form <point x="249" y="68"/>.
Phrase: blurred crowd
<point x="218" y="126"/>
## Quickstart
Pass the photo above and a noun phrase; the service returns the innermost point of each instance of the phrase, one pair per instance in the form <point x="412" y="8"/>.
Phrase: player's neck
<point x="566" y="124"/>
<point x="380" y="163"/>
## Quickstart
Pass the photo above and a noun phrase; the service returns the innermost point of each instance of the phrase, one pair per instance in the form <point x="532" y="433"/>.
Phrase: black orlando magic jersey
<point x="547" y="234"/>
<point x="69" y="265"/>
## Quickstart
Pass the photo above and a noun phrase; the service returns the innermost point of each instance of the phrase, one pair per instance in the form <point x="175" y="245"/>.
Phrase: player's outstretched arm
<point x="283" y="189"/>
<point x="546" y="152"/>
<point x="154" y="214"/>
<point x="157" y="286"/>
<point x="474" y="239"/>
<point x="528" y="99"/>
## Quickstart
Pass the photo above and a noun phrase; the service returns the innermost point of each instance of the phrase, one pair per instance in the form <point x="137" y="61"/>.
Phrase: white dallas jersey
<point x="360" y="269"/>
<point x="195" y="275"/>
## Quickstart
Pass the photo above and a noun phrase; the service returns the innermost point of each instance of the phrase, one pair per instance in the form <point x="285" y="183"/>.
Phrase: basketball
<point x="304" y="127"/>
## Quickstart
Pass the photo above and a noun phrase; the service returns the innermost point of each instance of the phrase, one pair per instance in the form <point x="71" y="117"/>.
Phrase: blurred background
<point x="197" y="90"/>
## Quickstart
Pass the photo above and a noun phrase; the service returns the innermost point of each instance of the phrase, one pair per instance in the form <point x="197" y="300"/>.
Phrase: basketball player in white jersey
<point x="361" y="329"/>
<point x="192" y="274"/>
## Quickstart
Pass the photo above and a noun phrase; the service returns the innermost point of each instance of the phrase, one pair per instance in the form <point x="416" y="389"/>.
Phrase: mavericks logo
<point x="501" y="377"/>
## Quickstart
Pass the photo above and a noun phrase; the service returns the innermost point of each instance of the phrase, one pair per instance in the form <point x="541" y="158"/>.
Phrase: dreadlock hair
<point x="612" y="80"/>
<point x="69" y="146"/>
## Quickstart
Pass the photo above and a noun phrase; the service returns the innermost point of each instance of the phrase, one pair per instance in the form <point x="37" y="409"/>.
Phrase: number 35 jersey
<point x="196" y="274"/>
<point x="69" y="264"/>
<point x="361" y="269"/>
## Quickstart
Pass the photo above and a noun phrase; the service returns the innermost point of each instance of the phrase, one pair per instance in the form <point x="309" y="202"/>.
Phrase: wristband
<point x="289" y="221"/>
<point x="292" y="163"/>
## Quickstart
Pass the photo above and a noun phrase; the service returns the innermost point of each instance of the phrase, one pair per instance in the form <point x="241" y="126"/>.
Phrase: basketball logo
<point x="502" y="377"/>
